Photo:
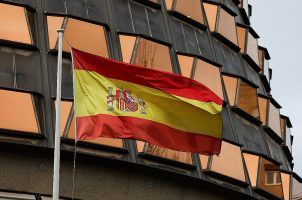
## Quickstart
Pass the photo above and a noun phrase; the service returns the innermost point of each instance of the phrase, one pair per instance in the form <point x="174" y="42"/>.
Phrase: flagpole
<point x="56" y="163"/>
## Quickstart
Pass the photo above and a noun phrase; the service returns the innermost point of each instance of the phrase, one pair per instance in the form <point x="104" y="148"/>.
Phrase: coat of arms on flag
<point x="125" y="101"/>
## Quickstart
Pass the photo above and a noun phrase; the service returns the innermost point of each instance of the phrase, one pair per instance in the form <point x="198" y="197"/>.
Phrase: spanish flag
<point x="119" y="100"/>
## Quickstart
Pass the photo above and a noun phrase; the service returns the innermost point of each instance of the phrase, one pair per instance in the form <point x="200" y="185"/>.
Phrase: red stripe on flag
<point x="165" y="81"/>
<point x="90" y="127"/>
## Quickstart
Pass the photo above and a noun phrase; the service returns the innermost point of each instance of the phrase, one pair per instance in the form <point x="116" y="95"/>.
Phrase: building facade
<point x="211" y="41"/>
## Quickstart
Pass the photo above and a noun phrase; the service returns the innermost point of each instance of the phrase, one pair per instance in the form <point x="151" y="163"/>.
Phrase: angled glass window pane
<point x="285" y="178"/>
<point x="274" y="119"/>
<point x="191" y="10"/>
<point x="252" y="48"/>
<point x="296" y="189"/>
<point x="153" y="55"/>
<point x="241" y="33"/>
<point x="229" y="162"/>
<point x="283" y="130"/>
<point x="101" y="140"/>
<point x="186" y="64"/>
<point x="227" y="26"/>
<point x="247" y="99"/>
<point x="211" y="13"/>
<point x="204" y="160"/>
<point x="231" y="85"/>
<point x="14" y="24"/>
<point x="79" y="34"/>
<point x="154" y="150"/>
<point x="252" y="163"/>
<point x="270" y="178"/>
<point x="18" y="112"/>
<point x="263" y="109"/>
<point x="127" y="46"/>
<point x="261" y="58"/>
<point x="209" y="75"/>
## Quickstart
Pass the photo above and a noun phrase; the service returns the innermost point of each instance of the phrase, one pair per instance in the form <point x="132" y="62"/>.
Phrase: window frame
<point x="275" y="174"/>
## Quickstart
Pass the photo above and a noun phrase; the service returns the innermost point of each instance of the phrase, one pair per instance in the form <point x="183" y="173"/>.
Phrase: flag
<point x="119" y="100"/>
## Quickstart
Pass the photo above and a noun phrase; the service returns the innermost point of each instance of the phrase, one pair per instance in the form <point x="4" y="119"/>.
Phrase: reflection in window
<point x="252" y="163"/>
<point x="242" y="95"/>
<point x="79" y="34"/>
<point x="263" y="102"/>
<point x="204" y="161"/>
<point x="252" y="48"/>
<point x="145" y="53"/>
<point x="286" y="181"/>
<point x="247" y="99"/>
<point x="241" y="38"/>
<point x="18" y="112"/>
<point x="270" y="178"/>
<point x="231" y="85"/>
<point x="224" y="24"/>
<point x="68" y="127"/>
<point x="296" y="189"/>
<point x="14" y="24"/>
<point x="191" y="10"/>
<point x="264" y="58"/>
<point x="274" y="119"/>
<point x="154" y="150"/>
<point x="229" y="162"/>
<point x="186" y="65"/>
<point x="205" y="73"/>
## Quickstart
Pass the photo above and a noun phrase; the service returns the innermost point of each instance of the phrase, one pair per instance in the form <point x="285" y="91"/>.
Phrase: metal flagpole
<point x="56" y="163"/>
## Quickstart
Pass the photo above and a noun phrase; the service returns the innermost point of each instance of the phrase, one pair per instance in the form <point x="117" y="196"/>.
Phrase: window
<point x="229" y="162"/>
<point x="245" y="5"/>
<point x="297" y="188"/>
<point x="191" y="10"/>
<point x="248" y="43"/>
<point x="146" y="53"/>
<point x="201" y="71"/>
<point x="286" y="183"/>
<point x="183" y="157"/>
<point x="263" y="103"/>
<point x="222" y="22"/>
<point x="68" y="127"/>
<point x="264" y="58"/>
<point x="18" y="112"/>
<point x="204" y="161"/>
<point x="286" y="126"/>
<point x="20" y="69"/>
<point x="274" y="119"/>
<point x="79" y="34"/>
<point x="242" y="95"/>
<point x="252" y="47"/>
<point x="252" y="165"/>
<point x="231" y="85"/>
<point x="247" y="99"/>
<point x="272" y="178"/>
<point x="15" y="24"/>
